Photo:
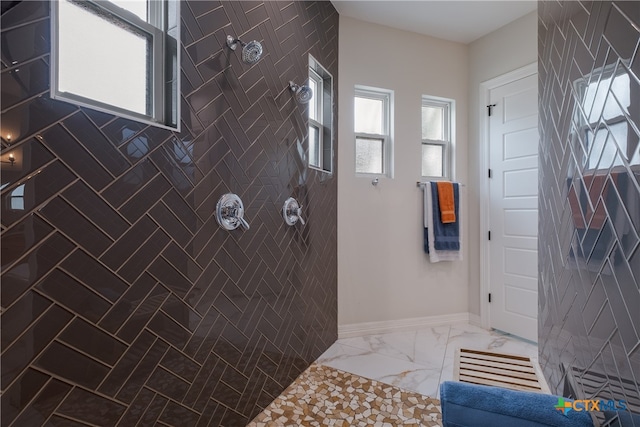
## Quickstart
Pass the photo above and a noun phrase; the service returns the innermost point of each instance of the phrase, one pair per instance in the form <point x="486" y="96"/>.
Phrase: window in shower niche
<point x="320" y="117"/>
<point x="373" y="131"/>
<point x="119" y="57"/>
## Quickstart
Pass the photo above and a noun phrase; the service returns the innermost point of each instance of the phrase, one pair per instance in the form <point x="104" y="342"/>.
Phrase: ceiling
<point x="455" y="20"/>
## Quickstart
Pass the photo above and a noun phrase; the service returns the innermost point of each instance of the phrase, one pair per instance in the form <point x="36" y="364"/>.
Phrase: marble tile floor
<point x="418" y="360"/>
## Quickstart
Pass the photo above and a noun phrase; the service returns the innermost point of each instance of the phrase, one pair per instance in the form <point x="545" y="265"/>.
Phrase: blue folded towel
<point x="472" y="405"/>
<point x="426" y="240"/>
<point x="446" y="236"/>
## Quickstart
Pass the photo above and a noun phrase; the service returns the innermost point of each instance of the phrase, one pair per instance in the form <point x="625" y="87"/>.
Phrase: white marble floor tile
<point x="390" y="370"/>
<point x="418" y="360"/>
<point x="338" y="351"/>
<point x="424" y="347"/>
<point x="423" y="381"/>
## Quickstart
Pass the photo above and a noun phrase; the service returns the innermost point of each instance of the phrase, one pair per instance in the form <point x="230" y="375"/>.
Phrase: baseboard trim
<point x="475" y="320"/>
<point x="370" y="328"/>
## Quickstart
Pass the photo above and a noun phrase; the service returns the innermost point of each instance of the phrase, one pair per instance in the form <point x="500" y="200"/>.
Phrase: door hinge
<point x="490" y="108"/>
<point x="489" y="234"/>
<point x="489" y="173"/>
<point x="489" y="296"/>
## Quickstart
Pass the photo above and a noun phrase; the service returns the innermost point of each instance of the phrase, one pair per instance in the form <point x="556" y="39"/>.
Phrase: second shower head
<point x="303" y="93"/>
<point x="251" y="52"/>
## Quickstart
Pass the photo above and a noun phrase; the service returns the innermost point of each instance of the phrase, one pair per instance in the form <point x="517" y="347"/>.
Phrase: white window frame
<point x="317" y="122"/>
<point x="159" y="112"/>
<point x="448" y="143"/>
<point x="386" y="96"/>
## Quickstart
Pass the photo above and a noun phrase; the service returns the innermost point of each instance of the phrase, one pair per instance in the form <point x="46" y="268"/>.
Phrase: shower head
<point x="303" y="93"/>
<point x="251" y="52"/>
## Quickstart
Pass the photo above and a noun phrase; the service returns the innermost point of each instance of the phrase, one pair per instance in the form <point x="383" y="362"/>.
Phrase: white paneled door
<point x="513" y="212"/>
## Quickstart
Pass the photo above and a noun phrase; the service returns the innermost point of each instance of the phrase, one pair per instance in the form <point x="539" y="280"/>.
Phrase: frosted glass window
<point x="437" y="141"/>
<point x="432" y="122"/>
<point x="369" y="115"/>
<point x="314" y="146"/>
<point x="118" y="57"/>
<point x="313" y="104"/>
<point x="372" y="127"/>
<point x="137" y="7"/>
<point x="432" y="160"/>
<point x="369" y="155"/>
<point x="83" y="33"/>
<point x="373" y="131"/>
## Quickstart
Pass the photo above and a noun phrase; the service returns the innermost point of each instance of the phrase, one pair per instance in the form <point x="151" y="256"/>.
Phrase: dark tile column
<point x="589" y="262"/>
<point x="123" y="302"/>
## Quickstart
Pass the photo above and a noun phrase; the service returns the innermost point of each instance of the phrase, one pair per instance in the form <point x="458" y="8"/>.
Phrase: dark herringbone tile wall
<point x="589" y="323"/>
<point x="123" y="302"/>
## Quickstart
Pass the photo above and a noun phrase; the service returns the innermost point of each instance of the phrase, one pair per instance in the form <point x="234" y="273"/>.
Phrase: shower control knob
<point x="299" y="215"/>
<point x="230" y="212"/>
<point x="292" y="212"/>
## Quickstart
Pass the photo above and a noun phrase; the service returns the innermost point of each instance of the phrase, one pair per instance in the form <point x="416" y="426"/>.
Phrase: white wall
<point x="508" y="48"/>
<point x="383" y="273"/>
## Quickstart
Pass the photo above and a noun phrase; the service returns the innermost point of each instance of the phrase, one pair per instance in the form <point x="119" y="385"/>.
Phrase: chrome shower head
<point x="251" y="52"/>
<point x="303" y="93"/>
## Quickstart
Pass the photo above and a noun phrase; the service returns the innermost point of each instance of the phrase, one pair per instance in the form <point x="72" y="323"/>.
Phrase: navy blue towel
<point x="446" y="236"/>
<point x="426" y="240"/>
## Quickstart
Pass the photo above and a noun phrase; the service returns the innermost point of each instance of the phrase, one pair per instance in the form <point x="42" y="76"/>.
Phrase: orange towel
<point x="447" y="204"/>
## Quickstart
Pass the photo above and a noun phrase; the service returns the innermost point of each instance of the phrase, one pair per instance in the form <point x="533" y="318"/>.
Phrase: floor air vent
<point x="498" y="369"/>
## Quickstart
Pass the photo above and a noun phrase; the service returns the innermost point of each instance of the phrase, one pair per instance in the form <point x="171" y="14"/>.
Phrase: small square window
<point x="432" y="122"/>
<point x="369" y="116"/>
<point x="369" y="155"/>
<point x="432" y="160"/>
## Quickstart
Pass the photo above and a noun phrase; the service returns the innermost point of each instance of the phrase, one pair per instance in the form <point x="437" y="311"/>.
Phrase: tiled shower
<point x="123" y="301"/>
<point x="589" y="321"/>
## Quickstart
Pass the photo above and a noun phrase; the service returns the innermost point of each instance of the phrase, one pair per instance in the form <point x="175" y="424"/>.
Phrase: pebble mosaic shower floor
<point x="324" y="396"/>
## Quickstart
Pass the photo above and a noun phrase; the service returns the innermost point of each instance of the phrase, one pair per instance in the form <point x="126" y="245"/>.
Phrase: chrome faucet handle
<point x="299" y="214"/>
<point x="292" y="212"/>
<point x="244" y="223"/>
<point x="230" y="212"/>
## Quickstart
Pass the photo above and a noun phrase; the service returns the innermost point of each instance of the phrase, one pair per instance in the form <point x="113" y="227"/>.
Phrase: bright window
<point x="320" y="117"/>
<point x="372" y="127"/>
<point x="118" y="56"/>
<point x="437" y="141"/>
<point x="315" y="120"/>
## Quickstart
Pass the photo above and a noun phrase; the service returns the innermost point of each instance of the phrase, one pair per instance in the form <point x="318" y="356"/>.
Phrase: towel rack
<point x="420" y="184"/>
